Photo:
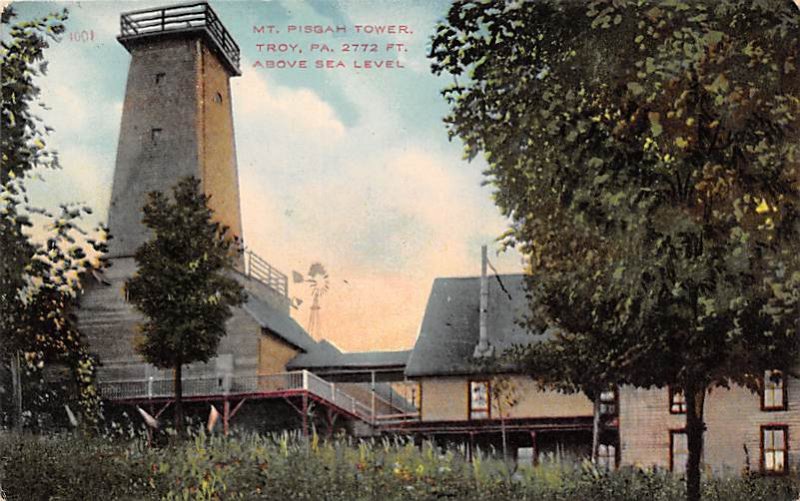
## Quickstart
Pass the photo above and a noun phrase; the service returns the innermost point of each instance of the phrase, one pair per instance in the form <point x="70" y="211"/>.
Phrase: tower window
<point x="160" y="77"/>
<point x="218" y="97"/>
<point x="155" y="135"/>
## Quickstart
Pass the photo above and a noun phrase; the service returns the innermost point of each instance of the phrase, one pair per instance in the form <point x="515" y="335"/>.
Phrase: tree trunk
<point x="16" y="391"/>
<point x="596" y="428"/>
<point x="178" y="401"/>
<point x="695" y="401"/>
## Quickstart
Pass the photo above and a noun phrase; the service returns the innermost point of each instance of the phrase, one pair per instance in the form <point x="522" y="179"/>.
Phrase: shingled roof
<point x="328" y="356"/>
<point x="450" y="327"/>
<point x="278" y="323"/>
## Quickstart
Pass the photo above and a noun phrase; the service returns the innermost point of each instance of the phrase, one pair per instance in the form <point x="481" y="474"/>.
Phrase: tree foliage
<point x="39" y="279"/>
<point x="646" y="153"/>
<point x="181" y="284"/>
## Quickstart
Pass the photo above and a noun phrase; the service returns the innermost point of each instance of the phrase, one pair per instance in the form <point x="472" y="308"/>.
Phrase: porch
<point x="298" y="388"/>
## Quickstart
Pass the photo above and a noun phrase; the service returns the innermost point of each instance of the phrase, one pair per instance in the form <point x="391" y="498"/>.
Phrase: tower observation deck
<point x="197" y="18"/>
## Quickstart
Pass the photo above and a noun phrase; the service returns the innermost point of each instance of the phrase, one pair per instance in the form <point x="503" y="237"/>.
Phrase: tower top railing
<point x="258" y="268"/>
<point x="177" y="19"/>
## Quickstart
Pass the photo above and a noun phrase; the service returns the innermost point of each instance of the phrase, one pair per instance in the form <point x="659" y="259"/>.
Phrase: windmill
<point x="318" y="281"/>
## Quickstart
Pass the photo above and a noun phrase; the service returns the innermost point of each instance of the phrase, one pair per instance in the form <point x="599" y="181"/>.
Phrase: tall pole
<point x="483" y="348"/>
<point x="373" y="396"/>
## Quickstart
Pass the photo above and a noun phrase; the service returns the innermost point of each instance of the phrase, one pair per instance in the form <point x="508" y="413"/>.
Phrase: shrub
<point x="283" y="466"/>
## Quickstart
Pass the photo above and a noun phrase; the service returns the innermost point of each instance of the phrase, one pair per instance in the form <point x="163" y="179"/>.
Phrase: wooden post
<point x="305" y="412"/>
<point x="373" y="396"/>
<point x="471" y="447"/>
<point x="226" y="415"/>
<point x="535" y="449"/>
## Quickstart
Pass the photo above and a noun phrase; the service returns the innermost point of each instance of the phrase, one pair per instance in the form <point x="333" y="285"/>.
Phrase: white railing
<point x="259" y="269"/>
<point x="237" y="385"/>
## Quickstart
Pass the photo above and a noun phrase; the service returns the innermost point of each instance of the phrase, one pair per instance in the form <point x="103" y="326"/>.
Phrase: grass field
<point x="284" y="467"/>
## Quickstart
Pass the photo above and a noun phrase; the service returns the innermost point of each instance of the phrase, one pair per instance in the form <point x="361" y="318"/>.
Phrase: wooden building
<point x="465" y="398"/>
<point x="745" y="431"/>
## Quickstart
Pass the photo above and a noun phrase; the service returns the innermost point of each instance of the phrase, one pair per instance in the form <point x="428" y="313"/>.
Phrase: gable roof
<point x="450" y="327"/>
<point x="328" y="356"/>
<point x="278" y="323"/>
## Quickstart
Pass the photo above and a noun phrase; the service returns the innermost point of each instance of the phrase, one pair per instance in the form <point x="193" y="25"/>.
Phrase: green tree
<point x="504" y="397"/>
<point x="646" y="153"/>
<point x="39" y="281"/>
<point x="571" y="364"/>
<point x="181" y="284"/>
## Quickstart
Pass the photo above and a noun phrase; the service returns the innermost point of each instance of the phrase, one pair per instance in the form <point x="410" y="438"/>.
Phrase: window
<point x="607" y="456"/>
<point x="774" y="446"/>
<point x="678" y="451"/>
<point x="479" y="399"/>
<point x="773" y="397"/>
<point x="155" y="135"/>
<point x="608" y="403"/>
<point x="525" y="456"/>
<point x="677" y="402"/>
<point x="218" y="97"/>
<point x="160" y="77"/>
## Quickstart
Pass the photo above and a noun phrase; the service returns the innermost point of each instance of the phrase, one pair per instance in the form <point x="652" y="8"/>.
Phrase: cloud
<point x="385" y="211"/>
<point x="299" y="113"/>
<point x="339" y="167"/>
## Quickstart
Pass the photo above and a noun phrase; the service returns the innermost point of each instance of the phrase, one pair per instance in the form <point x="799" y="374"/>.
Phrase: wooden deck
<point x="283" y="385"/>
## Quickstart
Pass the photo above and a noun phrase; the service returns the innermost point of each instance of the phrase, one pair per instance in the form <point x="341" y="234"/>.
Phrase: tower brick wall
<point x="177" y="121"/>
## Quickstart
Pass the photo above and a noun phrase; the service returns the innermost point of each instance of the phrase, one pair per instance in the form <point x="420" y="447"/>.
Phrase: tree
<point x="646" y="153"/>
<point x="571" y="365"/>
<point x="39" y="281"/>
<point x="181" y="284"/>
<point x="504" y="397"/>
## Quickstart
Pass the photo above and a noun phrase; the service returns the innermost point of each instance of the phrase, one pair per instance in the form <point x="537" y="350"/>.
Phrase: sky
<point x="349" y="167"/>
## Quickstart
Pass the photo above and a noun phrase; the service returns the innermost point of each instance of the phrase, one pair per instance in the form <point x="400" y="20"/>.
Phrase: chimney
<point x="483" y="348"/>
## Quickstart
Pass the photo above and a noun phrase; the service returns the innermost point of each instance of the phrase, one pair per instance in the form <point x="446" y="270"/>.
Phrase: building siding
<point x="274" y="354"/>
<point x="733" y="420"/>
<point x="110" y="325"/>
<point x="446" y="399"/>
